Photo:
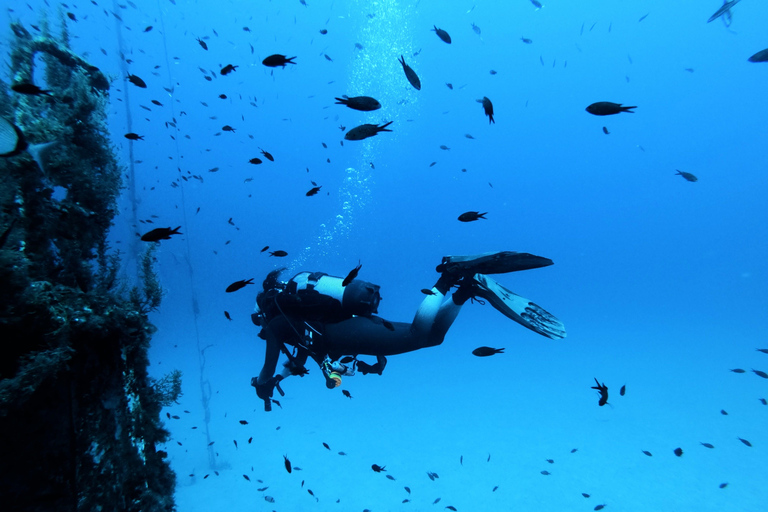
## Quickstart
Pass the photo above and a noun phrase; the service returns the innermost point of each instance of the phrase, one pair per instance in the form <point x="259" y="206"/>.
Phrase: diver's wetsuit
<point x="335" y="333"/>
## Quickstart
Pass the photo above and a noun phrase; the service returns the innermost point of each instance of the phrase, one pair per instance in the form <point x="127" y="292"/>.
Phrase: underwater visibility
<point x="275" y="256"/>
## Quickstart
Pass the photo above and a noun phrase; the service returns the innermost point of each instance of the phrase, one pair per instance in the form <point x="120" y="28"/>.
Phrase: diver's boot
<point x="491" y="263"/>
<point x="513" y="306"/>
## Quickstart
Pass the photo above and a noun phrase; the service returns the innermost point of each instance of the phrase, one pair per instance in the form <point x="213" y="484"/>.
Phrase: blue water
<point x="661" y="283"/>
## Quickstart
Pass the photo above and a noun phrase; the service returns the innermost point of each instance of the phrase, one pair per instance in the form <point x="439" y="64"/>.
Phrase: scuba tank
<point x="323" y="296"/>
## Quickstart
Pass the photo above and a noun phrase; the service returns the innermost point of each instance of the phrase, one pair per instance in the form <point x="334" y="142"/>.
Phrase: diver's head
<point x="272" y="282"/>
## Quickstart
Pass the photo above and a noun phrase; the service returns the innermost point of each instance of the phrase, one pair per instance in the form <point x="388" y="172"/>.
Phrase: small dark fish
<point x="327" y="57"/>
<point x="526" y="40"/>
<point x="536" y="4"/>
<point x="226" y="314"/>
<point x="495" y="487"/>
<point x="202" y="44"/>
<point x="276" y="60"/>
<point x="606" y="108"/>
<point x="605" y="131"/>
<point x="427" y="291"/>
<point x="451" y="507"/>
<point x="687" y="176"/>
<point x="707" y="445"/>
<point x="679" y="452"/>
<point x="238" y="284"/>
<point x="493" y="72"/>
<point x="723" y="412"/>
<point x="346" y="393"/>
<point x="738" y="370"/>
<point x="255" y="161"/>
<point x="267" y="155"/>
<point x="377" y="468"/>
<point x="487" y="351"/>
<point x="760" y="373"/>
<point x="724" y="10"/>
<point x="366" y="130"/>
<point x="149" y="27"/>
<point x="326" y="446"/>
<point x="450" y="86"/>
<point x="488" y="108"/>
<point x="342" y="453"/>
<point x="250" y="440"/>
<point x="390" y="477"/>
<point x="264" y="248"/>
<point x="313" y="191"/>
<point x="278" y="254"/>
<point x="551" y="461"/>
<point x="545" y="472"/>
<point x="323" y="31"/>
<point x="476" y="29"/>
<point x="623" y="390"/>
<point x="138" y="82"/>
<point x="407" y="489"/>
<point x="442" y="34"/>
<point x="585" y="495"/>
<point x="72" y="16"/>
<point x="471" y="216"/>
<point x="158" y="234"/>
<point x="235" y="441"/>
<point x="352" y="274"/>
<point x="243" y="422"/>
<point x="410" y="74"/>
<point x="133" y="136"/>
<point x="246" y="477"/>
<point x="362" y="103"/>
<point x="29" y="89"/>
<point x="574" y="450"/>
<point x="437" y="500"/>
<point x="431" y="476"/>
<point x="228" y="69"/>
<point x="761" y="56"/>
<point x="723" y="485"/>
<point x="745" y="442"/>
<point x="763" y="401"/>
<point x="223" y="96"/>
<point x="648" y="453"/>
<point x="287" y="463"/>
<point x="603" y="390"/>
<point x="599" y="507"/>
<point x="228" y="128"/>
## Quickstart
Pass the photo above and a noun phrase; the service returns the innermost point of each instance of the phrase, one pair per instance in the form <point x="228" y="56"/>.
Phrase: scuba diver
<point x="333" y="321"/>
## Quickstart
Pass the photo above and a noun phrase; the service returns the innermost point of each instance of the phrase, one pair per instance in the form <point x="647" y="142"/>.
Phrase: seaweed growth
<point x="79" y="416"/>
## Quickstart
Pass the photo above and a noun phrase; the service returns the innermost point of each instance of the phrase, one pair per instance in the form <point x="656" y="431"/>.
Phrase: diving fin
<point x="492" y="263"/>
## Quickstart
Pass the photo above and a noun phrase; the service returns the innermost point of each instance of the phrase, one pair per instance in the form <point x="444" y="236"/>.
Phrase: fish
<point x="352" y="274"/>
<point x="255" y="161"/>
<point x="763" y="350"/>
<point x="706" y="445"/>
<point x="536" y="4"/>
<point x="605" y="131"/>
<point x="278" y="254"/>
<point x="366" y="130"/>
<point x="442" y="34"/>
<point x="487" y="108"/>
<point x="445" y="148"/>
<point x="603" y="390"/>
<point x="545" y="473"/>
<point x="648" y="453"/>
<point x="238" y="285"/>
<point x="723" y="412"/>
<point x="526" y="40"/>
<point x="13" y="142"/>
<point x="313" y="191"/>
<point x="760" y="373"/>
<point x="133" y="136"/>
<point x="476" y="29"/>
<point x="226" y="314"/>
<point x="687" y="176"/>
<point x="723" y="485"/>
<point x="761" y="56"/>
<point x="267" y="155"/>
<point x="246" y="477"/>
<point x="487" y="351"/>
<point x="326" y="446"/>
<point x="390" y="477"/>
<point x="377" y="468"/>
<point x="29" y="89"/>
<point x="228" y="69"/>
<point x="745" y="442"/>
<point x="323" y="31"/>
<point x="361" y="103"/>
<point x="228" y="128"/>
<point x="202" y="44"/>
<point x="437" y="500"/>
<point x="158" y="234"/>
<point x="276" y="60"/>
<point x="738" y="370"/>
<point x="472" y="216"/>
<point x="410" y="74"/>
<point x="450" y="86"/>
<point x="407" y="489"/>
<point x="138" y="82"/>
<point x="724" y="10"/>
<point x="606" y="108"/>
<point x="243" y="422"/>
<point x="346" y="393"/>
<point x="235" y="441"/>
<point x="679" y="452"/>
<point x="585" y="495"/>
<point x="551" y="461"/>
<point x="763" y="401"/>
<point x="287" y="463"/>
<point x="623" y="390"/>
<point x="264" y="248"/>
<point x="599" y="507"/>
<point x="451" y="507"/>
